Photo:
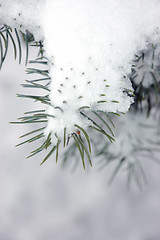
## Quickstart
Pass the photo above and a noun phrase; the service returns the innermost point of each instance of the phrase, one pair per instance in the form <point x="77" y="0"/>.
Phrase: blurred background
<point x="50" y="202"/>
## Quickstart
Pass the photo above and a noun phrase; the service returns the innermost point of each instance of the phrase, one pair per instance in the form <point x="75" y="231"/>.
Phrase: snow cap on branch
<point x="90" y="46"/>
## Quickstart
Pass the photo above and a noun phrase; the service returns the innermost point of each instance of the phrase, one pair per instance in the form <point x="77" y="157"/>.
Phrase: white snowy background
<point x="48" y="202"/>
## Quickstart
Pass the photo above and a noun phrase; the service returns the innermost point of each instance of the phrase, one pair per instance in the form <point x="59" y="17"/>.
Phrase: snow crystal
<point x="90" y="46"/>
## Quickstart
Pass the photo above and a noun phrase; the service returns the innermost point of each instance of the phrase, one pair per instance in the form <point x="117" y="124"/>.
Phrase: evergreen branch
<point x="79" y="148"/>
<point x="37" y="137"/>
<point x="86" y="135"/>
<point x="31" y="132"/>
<point x="105" y="123"/>
<point x="121" y="162"/>
<point x="147" y="88"/>
<point x="19" y="45"/>
<point x="1" y="49"/>
<point x="57" y="150"/>
<point x="64" y="137"/>
<point x="84" y="148"/>
<point x="49" y="155"/>
<point x="40" y="116"/>
<point x="7" y="35"/>
<point x="98" y="128"/>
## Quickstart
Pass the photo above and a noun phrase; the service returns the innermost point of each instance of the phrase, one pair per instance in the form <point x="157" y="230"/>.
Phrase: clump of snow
<point x="90" y="46"/>
<point x="23" y="14"/>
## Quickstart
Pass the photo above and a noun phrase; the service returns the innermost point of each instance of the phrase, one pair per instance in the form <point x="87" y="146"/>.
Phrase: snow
<point x="22" y="15"/>
<point x="49" y="203"/>
<point x="90" y="46"/>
